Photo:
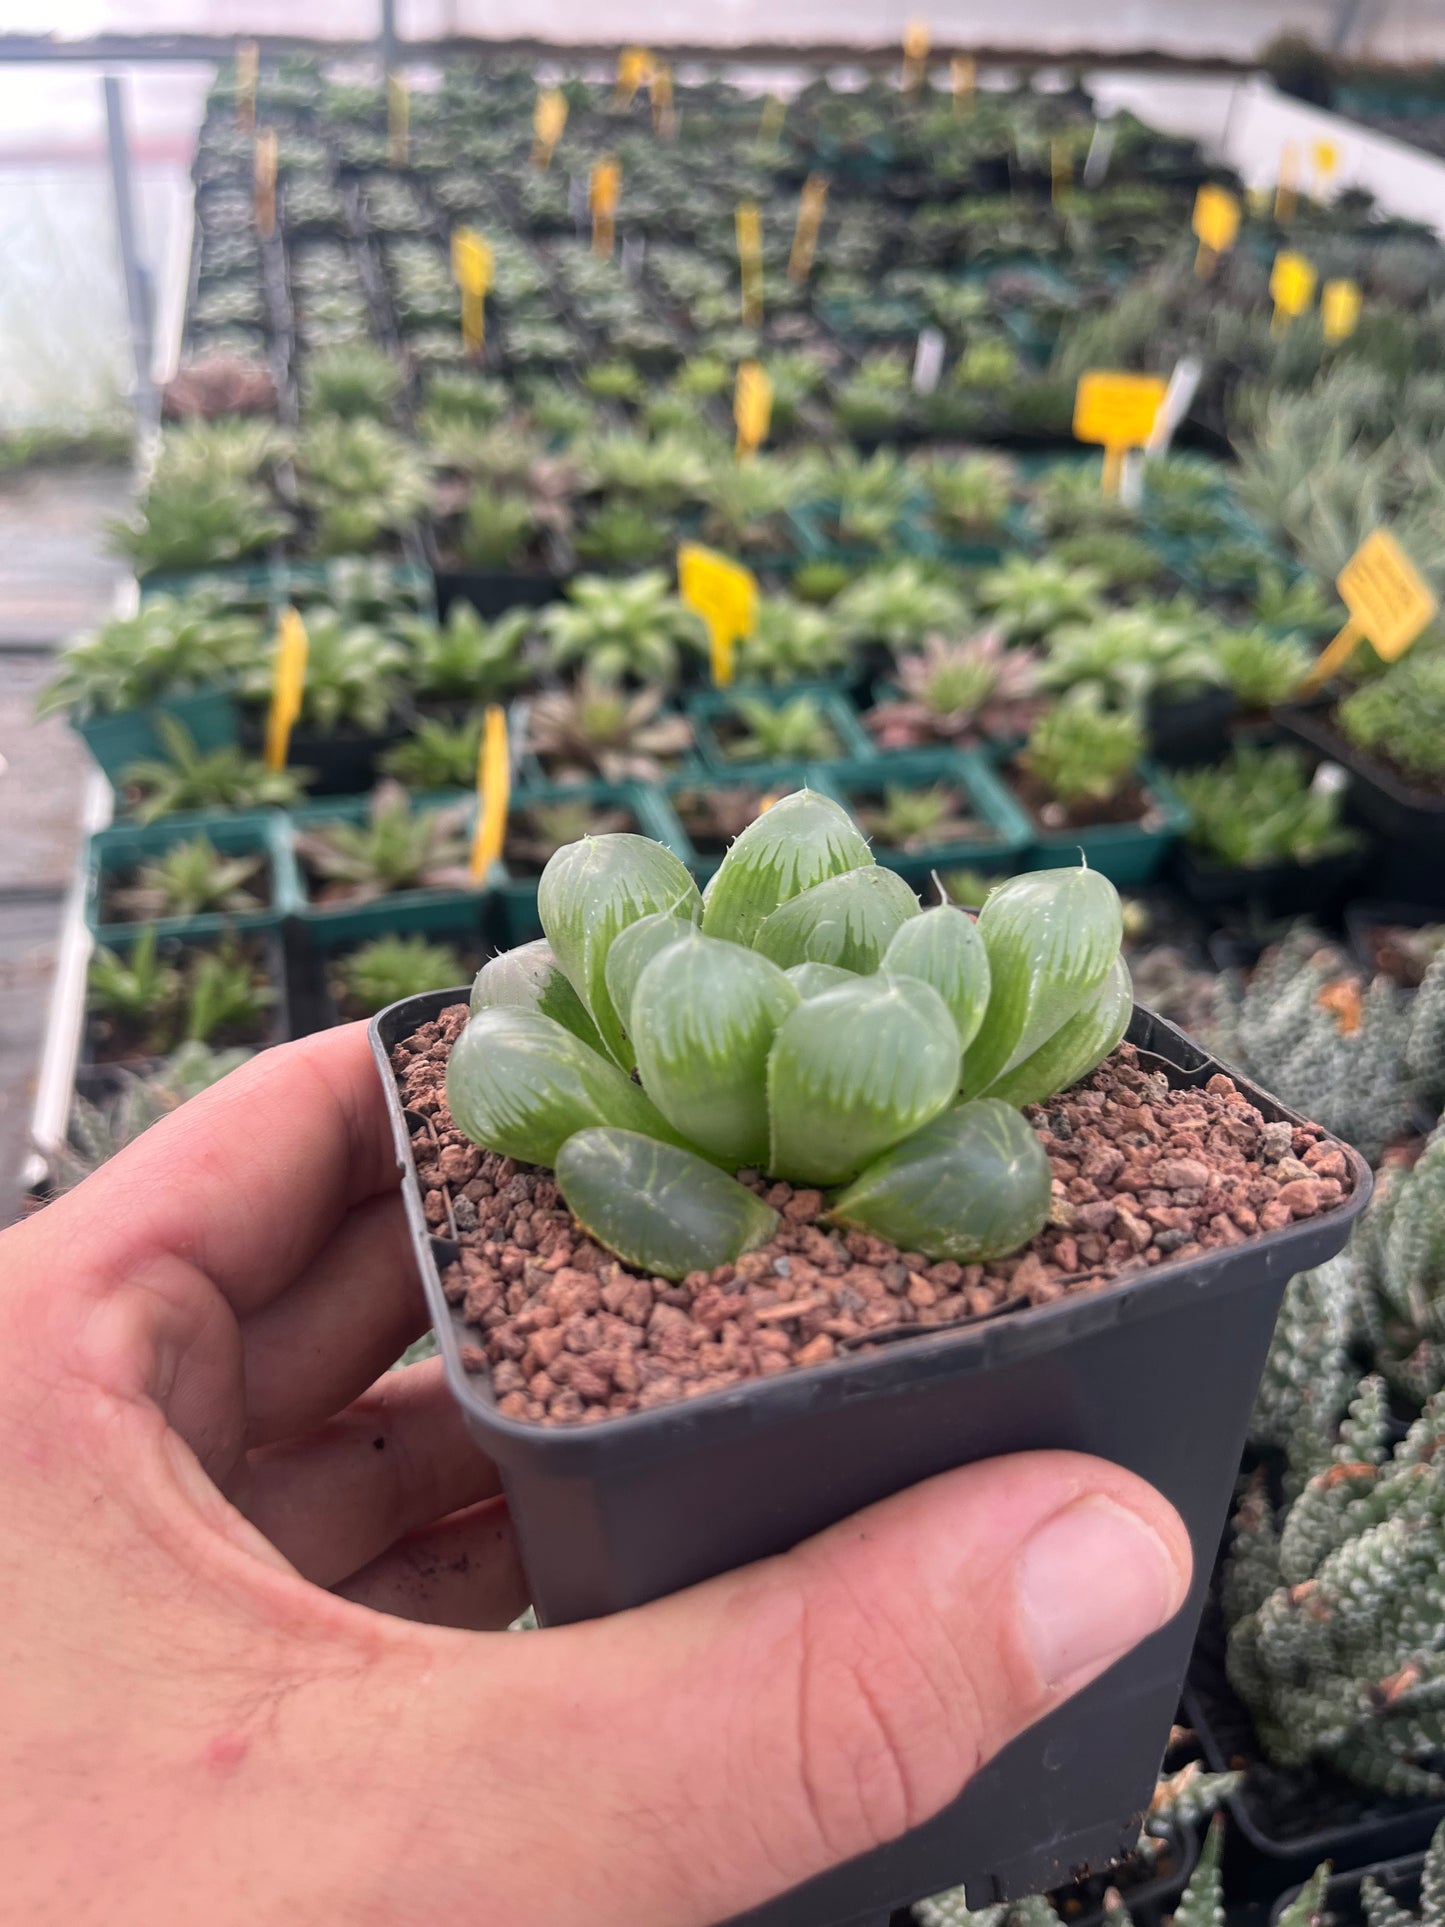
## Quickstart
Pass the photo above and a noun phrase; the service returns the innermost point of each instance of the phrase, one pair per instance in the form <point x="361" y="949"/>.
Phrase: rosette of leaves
<point x="662" y="474"/>
<point x="1084" y="754"/>
<point x="630" y="627"/>
<point x="1069" y="499"/>
<point x="915" y="818"/>
<point x="496" y="530"/>
<point x="354" y="673"/>
<point x="899" y="606"/>
<point x="189" y="522"/>
<point x="357" y="382"/>
<point x="465" y="658"/>
<point x="952" y="691"/>
<point x="876" y="401"/>
<point x="1282" y="603"/>
<point x="94" y="1133"/>
<point x="808" y="1021"/>
<point x="597" y="728"/>
<point x="791" y="730"/>
<point x="792" y="642"/>
<point x="359" y="482"/>
<point x="620" y="534"/>
<point x="173" y="644"/>
<point x="1261" y="669"/>
<point x="192" y="877"/>
<point x="1395" y="1265"/>
<point x="188" y="778"/>
<point x="968" y="496"/>
<point x="461" y="395"/>
<point x="436" y="755"/>
<point x="1400" y="717"/>
<point x="871" y="496"/>
<point x="395" y="848"/>
<point x="1029" y="598"/>
<point x="389" y="968"/>
<point x="1259" y="808"/>
<point x="1131" y="657"/>
<point x="744" y="503"/>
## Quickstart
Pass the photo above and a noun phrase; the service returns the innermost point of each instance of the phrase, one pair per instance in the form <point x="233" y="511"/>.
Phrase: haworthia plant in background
<point x="805" y="1019"/>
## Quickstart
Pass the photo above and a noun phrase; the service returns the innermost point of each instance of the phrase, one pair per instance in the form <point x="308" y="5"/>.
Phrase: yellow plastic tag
<point x="494" y="793"/>
<point x="1326" y="158"/>
<point x="549" y="117"/>
<point x="265" y="176"/>
<point x="1340" y="304"/>
<point x="1117" y="411"/>
<point x="805" y="235"/>
<point x="748" y="224"/>
<point x="472" y="265"/>
<point x="288" y="680"/>
<point x="604" y="189"/>
<point x="1390" y="605"/>
<point x="1286" y="194"/>
<point x="664" y="120"/>
<point x="398" y="121"/>
<point x="963" y="78"/>
<point x="1216" y="223"/>
<point x="752" y="406"/>
<point x="248" y="70"/>
<point x="916" y="42"/>
<point x="1291" y="287"/>
<point x="634" y="70"/>
<point x="725" y="595"/>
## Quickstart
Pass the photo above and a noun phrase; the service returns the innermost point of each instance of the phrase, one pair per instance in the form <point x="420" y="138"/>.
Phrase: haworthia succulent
<point x="943" y="947"/>
<point x="706" y="1014"/>
<point x="803" y="839"/>
<point x="973" y="1184"/>
<point x="1081" y="1042"/>
<point x="1202" y="1902"/>
<point x="589" y="892"/>
<point x="520" y="1084"/>
<point x="530" y="978"/>
<point x="849" y="921"/>
<point x="1052" y="937"/>
<point x="632" y="950"/>
<point x="661" y="1209"/>
<point x="853" y="1071"/>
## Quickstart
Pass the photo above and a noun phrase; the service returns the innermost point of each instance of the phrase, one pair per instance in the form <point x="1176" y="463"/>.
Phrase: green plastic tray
<point x="403" y="910"/>
<point x="963" y="769"/>
<point x="707" y="708"/>
<point x="129" y="844"/>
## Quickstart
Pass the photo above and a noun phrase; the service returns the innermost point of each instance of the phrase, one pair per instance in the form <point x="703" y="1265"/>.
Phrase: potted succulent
<point x="192" y="879"/>
<point x="367" y="977"/>
<point x="953" y="693"/>
<point x="757" y="1024"/>
<point x="389" y="861"/>
<point x="1084" y="779"/>
<point x="188" y="780"/>
<point x="597" y="728"/>
<point x="352" y="703"/>
<point x="1156" y="657"/>
<point x="928" y="811"/>
<point x="158" y="993"/>
<point x="794" y="723"/>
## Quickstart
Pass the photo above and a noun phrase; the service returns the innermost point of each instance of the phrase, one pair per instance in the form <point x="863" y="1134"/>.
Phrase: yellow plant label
<point x="1216" y="219"/>
<point x="494" y="792"/>
<point x="1326" y="158"/>
<point x="1291" y="286"/>
<point x="549" y="117"/>
<point x="811" y="203"/>
<point x="1389" y="603"/>
<point x="472" y="265"/>
<point x="604" y="190"/>
<point x="265" y="175"/>
<point x="288" y="680"/>
<point x="725" y="595"/>
<point x="398" y="121"/>
<point x="1117" y="410"/>
<point x="1286" y="194"/>
<point x="752" y="406"/>
<point x="963" y="78"/>
<point x="634" y="70"/>
<point x="749" y="227"/>
<point x="1340" y="304"/>
<point x="248" y="70"/>
<point x="916" y="42"/>
<point x="664" y="120"/>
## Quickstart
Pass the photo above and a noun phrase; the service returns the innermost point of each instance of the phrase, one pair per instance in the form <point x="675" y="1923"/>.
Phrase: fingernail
<point x="1093" y="1581"/>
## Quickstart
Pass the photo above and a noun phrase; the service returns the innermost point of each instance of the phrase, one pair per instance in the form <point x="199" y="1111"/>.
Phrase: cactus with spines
<point x="1182" y="1798"/>
<point x="1335" y="1604"/>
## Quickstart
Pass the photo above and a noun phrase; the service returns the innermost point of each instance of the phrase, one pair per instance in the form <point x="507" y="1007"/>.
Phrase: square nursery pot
<point x="261" y="832"/>
<point x="1004" y="833"/>
<point x="1157" y="1373"/>
<point x="764" y="779"/>
<point x="431" y="911"/>
<point x="117" y="741"/>
<point x="1192" y="730"/>
<point x="1409" y="822"/>
<point x="1276" y="890"/>
<point x="651" y="814"/>
<point x="714" y="705"/>
<point x="1129" y="854"/>
<point x="279" y="1028"/>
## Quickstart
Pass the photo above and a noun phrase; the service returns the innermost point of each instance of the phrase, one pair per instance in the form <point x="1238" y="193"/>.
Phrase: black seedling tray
<point x="1158" y="1374"/>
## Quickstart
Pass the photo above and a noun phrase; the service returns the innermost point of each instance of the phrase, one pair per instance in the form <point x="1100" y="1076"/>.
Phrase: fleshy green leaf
<point x="853" y="1071"/>
<point x="1075" y="1047"/>
<point x="592" y="889"/>
<point x="943" y="947"/>
<point x="1051" y="937"/>
<point x="849" y="921"/>
<point x="530" y="978"/>
<point x="632" y="950"/>
<point x="520" y="1085"/>
<point x="803" y="839"/>
<point x="705" y="1014"/>
<point x="973" y="1184"/>
<point x="812" y="979"/>
<point x="661" y="1209"/>
<point x="1202" y="1902"/>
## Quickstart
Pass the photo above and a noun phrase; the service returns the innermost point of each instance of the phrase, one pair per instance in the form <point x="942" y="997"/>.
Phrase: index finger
<point x="248" y="1180"/>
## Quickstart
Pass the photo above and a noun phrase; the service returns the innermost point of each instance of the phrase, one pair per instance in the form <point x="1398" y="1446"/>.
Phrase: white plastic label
<point x="928" y="361"/>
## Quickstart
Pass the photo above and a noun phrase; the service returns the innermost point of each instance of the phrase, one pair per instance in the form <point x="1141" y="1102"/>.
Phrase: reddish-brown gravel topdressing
<point x="1141" y="1173"/>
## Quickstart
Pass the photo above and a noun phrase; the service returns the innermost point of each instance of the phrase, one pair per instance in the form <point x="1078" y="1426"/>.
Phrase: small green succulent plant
<point x="389" y="968"/>
<point x="190" y="878"/>
<point x="731" y="1012"/>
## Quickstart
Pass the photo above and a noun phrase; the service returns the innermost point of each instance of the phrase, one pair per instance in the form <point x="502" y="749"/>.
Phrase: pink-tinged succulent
<point x="952" y="691"/>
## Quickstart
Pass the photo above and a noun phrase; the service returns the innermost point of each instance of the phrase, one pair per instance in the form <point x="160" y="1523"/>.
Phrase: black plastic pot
<point x="1409" y="822"/>
<point x="1158" y="1374"/>
<point x="1285" y="1821"/>
<point x="1191" y="731"/>
<point x="492" y="592"/>
<point x="1275" y="890"/>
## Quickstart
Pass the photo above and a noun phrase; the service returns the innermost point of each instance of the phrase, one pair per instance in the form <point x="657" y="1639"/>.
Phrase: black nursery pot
<point x="1157" y="1373"/>
<point x="1192" y="730"/>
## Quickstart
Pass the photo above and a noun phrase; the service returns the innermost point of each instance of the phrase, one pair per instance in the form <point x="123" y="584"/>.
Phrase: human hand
<point x="244" y="1663"/>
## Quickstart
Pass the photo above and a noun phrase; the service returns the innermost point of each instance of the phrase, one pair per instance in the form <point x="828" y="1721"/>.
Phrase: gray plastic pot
<point x="1158" y="1374"/>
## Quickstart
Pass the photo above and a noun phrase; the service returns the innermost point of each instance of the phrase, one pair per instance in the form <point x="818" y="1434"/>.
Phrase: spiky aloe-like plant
<point x="192" y="877"/>
<point x="630" y="627"/>
<point x="396" y="848"/>
<point x="1028" y="599"/>
<point x="808" y="1020"/>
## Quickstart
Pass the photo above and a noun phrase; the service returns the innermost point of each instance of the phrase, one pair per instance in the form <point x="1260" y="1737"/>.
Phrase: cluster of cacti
<point x="1355" y="1058"/>
<point x="1335" y="1602"/>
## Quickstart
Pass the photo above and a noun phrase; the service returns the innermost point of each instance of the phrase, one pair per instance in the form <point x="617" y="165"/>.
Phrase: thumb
<point x="709" y="1751"/>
